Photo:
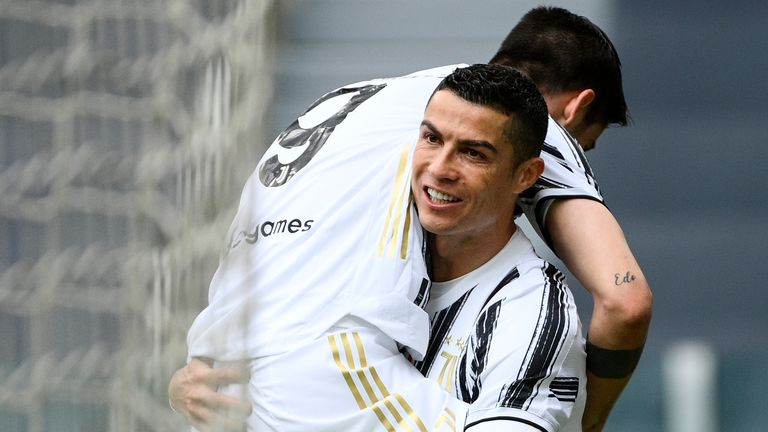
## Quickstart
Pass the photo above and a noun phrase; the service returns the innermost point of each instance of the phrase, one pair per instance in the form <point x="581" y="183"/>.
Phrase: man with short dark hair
<point x="505" y="333"/>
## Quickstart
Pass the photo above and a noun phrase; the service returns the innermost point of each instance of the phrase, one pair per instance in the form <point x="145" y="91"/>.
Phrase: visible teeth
<point x="440" y="197"/>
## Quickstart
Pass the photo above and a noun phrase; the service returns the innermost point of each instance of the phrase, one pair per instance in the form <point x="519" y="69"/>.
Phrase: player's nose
<point x="442" y="165"/>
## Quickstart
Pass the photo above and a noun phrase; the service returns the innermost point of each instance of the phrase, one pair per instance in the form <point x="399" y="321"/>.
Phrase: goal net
<point x="127" y="129"/>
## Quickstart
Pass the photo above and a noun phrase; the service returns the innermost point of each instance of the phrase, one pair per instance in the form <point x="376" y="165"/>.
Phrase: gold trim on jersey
<point x="406" y="228"/>
<point x="349" y="356"/>
<point x="399" y="203"/>
<point x="448" y="418"/>
<point x="445" y="378"/>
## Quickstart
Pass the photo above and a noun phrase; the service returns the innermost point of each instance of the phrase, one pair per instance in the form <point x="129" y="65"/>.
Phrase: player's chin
<point x="435" y="225"/>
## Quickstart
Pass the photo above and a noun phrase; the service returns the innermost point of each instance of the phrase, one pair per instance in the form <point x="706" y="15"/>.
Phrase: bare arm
<point x="192" y="393"/>
<point x="591" y="243"/>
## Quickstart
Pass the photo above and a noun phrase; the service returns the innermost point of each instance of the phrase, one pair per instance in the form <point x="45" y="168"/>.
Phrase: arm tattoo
<point x="620" y="279"/>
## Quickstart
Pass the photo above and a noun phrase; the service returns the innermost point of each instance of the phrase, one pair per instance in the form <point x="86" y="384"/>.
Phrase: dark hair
<point x="561" y="52"/>
<point x="509" y="92"/>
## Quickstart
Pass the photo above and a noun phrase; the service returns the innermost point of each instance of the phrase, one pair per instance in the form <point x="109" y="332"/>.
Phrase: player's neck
<point x="454" y="256"/>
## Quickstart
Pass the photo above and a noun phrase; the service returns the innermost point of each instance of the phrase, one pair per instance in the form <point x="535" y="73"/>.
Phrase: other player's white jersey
<point x="506" y="338"/>
<point x="325" y="227"/>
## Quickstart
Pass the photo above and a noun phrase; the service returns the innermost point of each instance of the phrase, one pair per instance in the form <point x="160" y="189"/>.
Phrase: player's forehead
<point x="448" y="113"/>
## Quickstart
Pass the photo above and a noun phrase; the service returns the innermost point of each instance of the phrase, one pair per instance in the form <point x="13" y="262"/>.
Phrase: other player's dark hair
<point x="562" y="51"/>
<point x="509" y="92"/>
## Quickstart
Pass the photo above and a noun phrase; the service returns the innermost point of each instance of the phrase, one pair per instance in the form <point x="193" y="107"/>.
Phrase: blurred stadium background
<point x="128" y="127"/>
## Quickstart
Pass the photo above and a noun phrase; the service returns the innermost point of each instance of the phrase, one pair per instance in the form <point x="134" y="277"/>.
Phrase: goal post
<point x="127" y="129"/>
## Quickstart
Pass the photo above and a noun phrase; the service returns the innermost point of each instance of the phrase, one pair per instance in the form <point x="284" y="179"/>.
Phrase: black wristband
<point x="606" y="363"/>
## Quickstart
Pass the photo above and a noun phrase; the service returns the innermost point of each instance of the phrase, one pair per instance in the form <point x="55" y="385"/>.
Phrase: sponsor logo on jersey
<point x="269" y="228"/>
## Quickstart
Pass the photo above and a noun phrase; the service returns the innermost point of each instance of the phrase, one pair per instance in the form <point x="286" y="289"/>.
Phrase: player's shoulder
<point x="519" y="252"/>
<point x="532" y="276"/>
<point x="538" y="274"/>
<point x="528" y="264"/>
<point x="438" y="72"/>
<point x="558" y="136"/>
<point x="394" y="93"/>
<point x="564" y="148"/>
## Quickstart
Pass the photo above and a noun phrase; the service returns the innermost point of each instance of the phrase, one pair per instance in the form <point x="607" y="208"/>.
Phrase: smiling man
<point x="465" y="192"/>
<point x="506" y="336"/>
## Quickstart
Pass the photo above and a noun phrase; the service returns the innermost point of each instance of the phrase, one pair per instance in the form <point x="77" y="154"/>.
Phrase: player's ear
<point x="575" y="108"/>
<point x="527" y="173"/>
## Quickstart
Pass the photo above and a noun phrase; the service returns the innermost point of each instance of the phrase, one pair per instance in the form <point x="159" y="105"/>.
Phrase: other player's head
<point x="575" y="66"/>
<point x="478" y="149"/>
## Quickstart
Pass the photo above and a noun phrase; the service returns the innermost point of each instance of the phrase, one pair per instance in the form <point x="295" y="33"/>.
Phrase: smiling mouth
<point x="439" y="197"/>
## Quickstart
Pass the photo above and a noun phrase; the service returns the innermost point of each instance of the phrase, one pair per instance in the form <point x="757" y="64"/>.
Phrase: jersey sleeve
<point x="567" y="174"/>
<point x="525" y="361"/>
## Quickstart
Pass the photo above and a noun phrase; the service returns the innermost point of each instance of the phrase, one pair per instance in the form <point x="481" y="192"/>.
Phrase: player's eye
<point x="431" y="138"/>
<point x="474" y="154"/>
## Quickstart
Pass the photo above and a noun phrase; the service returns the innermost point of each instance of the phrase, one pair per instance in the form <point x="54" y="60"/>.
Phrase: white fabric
<point x="351" y="379"/>
<point x="507" y="338"/>
<point x="347" y="244"/>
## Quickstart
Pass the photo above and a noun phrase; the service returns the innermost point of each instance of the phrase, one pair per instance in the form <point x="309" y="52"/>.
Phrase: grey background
<point x="686" y="179"/>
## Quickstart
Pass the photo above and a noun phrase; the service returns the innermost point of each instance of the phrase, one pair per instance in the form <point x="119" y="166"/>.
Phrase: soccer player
<point x="584" y="95"/>
<point x="505" y="335"/>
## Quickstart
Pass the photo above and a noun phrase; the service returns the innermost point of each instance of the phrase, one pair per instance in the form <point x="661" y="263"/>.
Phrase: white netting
<point x="127" y="129"/>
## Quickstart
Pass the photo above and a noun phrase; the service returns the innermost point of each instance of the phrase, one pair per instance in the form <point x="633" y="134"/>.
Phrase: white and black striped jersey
<point x="567" y="174"/>
<point x="506" y="338"/>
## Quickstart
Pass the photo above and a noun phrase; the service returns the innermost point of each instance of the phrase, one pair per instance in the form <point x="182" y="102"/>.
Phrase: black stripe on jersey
<point x="552" y="150"/>
<point x="468" y="384"/>
<point x="423" y="296"/>
<point x="545" y="344"/>
<point x="564" y="389"/>
<point x="547" y="148"/>
<point x="580" y="156"/>
<point x="547" y="183"/>
<point x="576" y="150"/>
<point x="512" y="275"/>
<point x="440" y="326"/>
<point x="506" y="418"/>
<point x="528" y="195"/>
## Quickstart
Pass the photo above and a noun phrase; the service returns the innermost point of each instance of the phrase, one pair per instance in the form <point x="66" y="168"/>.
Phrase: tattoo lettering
<point x="622" y="279"/>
